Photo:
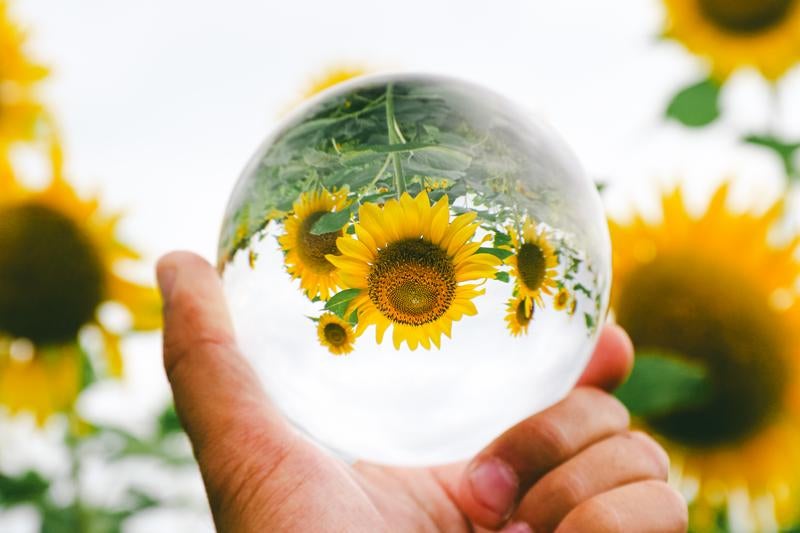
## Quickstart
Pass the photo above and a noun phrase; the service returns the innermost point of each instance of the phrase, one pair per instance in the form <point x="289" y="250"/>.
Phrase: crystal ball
<point x="414" y="264"/>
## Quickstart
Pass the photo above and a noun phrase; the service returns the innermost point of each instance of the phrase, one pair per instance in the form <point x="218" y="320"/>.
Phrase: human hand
<point x="574" y="467"/>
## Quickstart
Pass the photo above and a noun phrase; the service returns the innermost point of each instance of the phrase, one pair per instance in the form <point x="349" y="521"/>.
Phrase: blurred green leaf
<point x="168" y="422"/>
<point x="786" y="151"/>
<point x="330" y="222"/>
<point x="502" y="276"/>
<point x="27" y="487"/>
<point x="697" y="105"/>
<point x="339" y="302"/>
<point x="660" y="384"/>
<point x="500" y="253"/>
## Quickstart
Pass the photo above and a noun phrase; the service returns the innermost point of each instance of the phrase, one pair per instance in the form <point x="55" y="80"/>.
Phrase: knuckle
<point x="550" y="439"/>
<point x="598" y="401"/>
<point x="675" y="506"/>
<point x="596" y="515"/>
<point x="655" y="460"/>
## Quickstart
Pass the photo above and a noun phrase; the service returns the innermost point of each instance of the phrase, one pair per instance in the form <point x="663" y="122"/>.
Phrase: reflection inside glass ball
<point x="414" y="264"/>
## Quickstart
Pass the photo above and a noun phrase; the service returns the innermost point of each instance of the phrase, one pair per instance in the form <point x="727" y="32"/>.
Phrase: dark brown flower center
<point x="746" y="16"/>
<point x="532" y="265"/>
<point x="713" y="316"/>
<point x="312" y="249"/>
<point x="335" y="334"/>
<point x="51" y="278"/>
<point x="523" y="319"/>
<point x="412" y="282"/>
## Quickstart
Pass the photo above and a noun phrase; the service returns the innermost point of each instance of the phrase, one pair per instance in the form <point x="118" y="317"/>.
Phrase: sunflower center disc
<point x="412" y="282"/>
<point x="51" y="279"/>
<point x="335" y="334"/>
<point x="532" y="265"/>
<point x="716" y="318"/>
<point x="522" y="317"/>
<point x="745" y="16"/>
<point x="312" y="249"/>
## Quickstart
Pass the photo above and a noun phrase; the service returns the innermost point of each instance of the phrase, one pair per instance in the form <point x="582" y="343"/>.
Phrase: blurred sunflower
<point x="716" y="292"/>
<point x="764" y="34"/>
<point x="519" y="315"/>
<point x="330" y="77"/>
<point x="335" y="334"/>
<point x="534" y="262"/>
<point x="306" y="251"/>
<point x="20" y="112"/>
<point x="57" y="258"/>
<point x="562" y="299"/>
<point x="410" y="263"/>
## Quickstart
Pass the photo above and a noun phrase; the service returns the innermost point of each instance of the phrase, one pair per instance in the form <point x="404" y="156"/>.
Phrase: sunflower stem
<point x="395" y="137"/>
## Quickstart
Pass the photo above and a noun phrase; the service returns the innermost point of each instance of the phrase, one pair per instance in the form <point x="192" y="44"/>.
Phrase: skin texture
<point x="574" y="467"/>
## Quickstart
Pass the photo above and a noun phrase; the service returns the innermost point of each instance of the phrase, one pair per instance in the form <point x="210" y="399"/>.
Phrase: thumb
<point x="234" y="429"/>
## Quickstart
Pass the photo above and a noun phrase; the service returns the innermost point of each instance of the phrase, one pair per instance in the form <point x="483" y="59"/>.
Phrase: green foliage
<point x="786" y="151"/>
<point x="168" y="422"/>
<point x="660" y="384"/>
<point x="331" y="222"/>
<point x="26" y="487"/>
<point x="500" y="253"/>
<point x="502" y="276"/>
<point x="697" y="105"/>
<point x="340" y="301"/>
<point x="379" y="142"/>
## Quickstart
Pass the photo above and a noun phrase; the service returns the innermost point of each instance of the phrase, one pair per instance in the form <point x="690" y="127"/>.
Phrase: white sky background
<point x="161" y="103"/>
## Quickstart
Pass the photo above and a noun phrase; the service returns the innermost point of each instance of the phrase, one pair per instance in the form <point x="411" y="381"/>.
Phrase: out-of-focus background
<point x="155" y="107"/>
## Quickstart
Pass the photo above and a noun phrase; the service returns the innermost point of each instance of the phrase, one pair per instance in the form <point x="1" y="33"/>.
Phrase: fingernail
<point x="519" y="527"/>
<point x="494" y="484"/>
<point x="166" y="281"/>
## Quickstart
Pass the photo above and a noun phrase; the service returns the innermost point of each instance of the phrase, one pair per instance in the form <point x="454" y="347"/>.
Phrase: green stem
<point x="72" y="442"/>
<point x="395" y="137"/>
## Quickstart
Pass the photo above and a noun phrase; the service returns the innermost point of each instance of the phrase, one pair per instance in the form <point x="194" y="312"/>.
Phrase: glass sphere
<point x="414" y="264"/>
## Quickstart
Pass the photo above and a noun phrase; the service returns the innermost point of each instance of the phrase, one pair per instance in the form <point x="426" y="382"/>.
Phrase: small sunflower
<point x="562" y="299"/>
<point x="715" y="291"/>
<point x="305" y="251"/>
<point x="411" y="264"/>
<point x="534" y="262"/>
<point x="335" y="334"/>
<point x="20" y="111"/>
<point x="58" y="253"/>
<point x="763" y="34"/>
<point x="520" y="315"/>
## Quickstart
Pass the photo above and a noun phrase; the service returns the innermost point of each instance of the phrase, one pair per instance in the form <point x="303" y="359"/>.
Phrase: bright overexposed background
<point x="162" y="103"/>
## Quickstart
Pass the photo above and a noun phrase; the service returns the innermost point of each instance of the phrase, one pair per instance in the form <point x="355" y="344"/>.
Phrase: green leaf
<point x="660" y="384"/>
<point x="501" y="239"/>
<point x="27" y="487"/>
<point x="330" y="222"/>
<point x="786" y="151"/>
<point x="168" y="422"/>
<point x="497" y="252"/>
<point x="339" y="302"/>
<point x="502" y="276"/>
<point x="697" y="105"/>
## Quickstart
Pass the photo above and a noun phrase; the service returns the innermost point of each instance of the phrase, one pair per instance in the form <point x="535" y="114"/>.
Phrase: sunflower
<point x="335" y="334"/>
<point x="57" y="258"/>
<point x="20" y="112"/>
<point x="519" y="316"/>
<point x="764" y="34"/>
<point x="534" y="262"/>
<point x="410" y="262"/>
<point x="716" y="291"/>
<point x="305" y="251"/>
<point x="562" y="300"/>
